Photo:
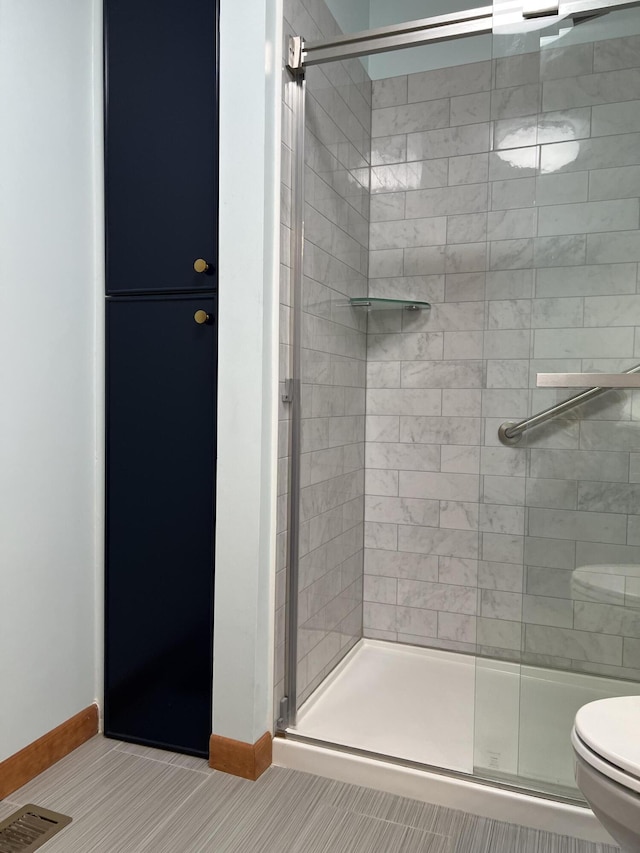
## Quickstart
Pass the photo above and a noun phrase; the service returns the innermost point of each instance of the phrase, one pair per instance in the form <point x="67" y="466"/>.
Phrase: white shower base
<point x="452" y="711"/>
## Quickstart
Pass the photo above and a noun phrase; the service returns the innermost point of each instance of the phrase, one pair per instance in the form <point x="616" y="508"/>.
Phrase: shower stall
<point x="459" y="525"/>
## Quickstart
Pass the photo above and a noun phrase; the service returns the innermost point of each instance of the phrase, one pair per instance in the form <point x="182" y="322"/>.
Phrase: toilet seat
<point x="606" y="735"/>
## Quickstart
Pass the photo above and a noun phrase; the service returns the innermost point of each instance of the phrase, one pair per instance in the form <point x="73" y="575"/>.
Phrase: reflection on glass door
<point x="563" y="610"/>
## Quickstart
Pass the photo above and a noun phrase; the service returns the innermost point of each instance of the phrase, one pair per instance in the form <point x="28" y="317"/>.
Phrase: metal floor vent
<point x="29" y="828"/>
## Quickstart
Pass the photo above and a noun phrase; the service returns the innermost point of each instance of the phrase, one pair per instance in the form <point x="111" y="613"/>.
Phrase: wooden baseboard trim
<point x="25" y="765"/>
<point x="248" y="760"/>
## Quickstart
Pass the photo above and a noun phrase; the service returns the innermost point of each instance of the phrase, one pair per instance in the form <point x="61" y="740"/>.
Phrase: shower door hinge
<point x="283" y="720"/>
<point x="287" y="392"/>
<point x="296" y="48"/>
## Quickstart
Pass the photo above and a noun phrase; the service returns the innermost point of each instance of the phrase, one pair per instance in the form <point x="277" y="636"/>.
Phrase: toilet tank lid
<point x="611" y="729"/>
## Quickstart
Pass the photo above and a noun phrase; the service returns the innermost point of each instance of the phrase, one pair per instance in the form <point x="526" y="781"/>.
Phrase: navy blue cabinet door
<point x="160" y="520"/>
<point x="161" y="144"/>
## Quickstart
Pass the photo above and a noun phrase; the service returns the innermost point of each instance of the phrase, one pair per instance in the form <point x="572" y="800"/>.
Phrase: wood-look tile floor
<point x="130" y="799"/>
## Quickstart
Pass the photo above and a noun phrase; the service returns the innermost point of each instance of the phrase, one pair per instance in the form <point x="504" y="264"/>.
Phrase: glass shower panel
<point x="332" y="369"/>
<point x="562" y="298"/>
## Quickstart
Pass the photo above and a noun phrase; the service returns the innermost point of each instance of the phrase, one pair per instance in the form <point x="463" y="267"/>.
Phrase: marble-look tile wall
<point x="507" y="194"/>
<point x="338" y="143"/>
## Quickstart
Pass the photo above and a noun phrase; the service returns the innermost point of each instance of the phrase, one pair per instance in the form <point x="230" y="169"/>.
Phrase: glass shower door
<point x="562" y="292"/>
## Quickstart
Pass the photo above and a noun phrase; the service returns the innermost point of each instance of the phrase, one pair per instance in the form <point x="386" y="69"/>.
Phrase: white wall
<point x="48" y="422"/>
<point x="248" y="359"/>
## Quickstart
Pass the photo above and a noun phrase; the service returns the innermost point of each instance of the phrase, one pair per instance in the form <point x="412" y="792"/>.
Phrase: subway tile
<point x="545" y="610"/>
<point x="511" y="224"/>
<point x="501" y="547"/>
<point x="386" y="150"/>
<point x="442" y="201"/>
<point x="514" y="101"/>
<point x="573" y="524"/>
<point x="450" y="82"/>
<point x="495" y="604"/>
<point x="501" y="518"/>
<point x="383" y="374"/>
<point x="436" y="541"/>
<point x="403" y="401"/>
<point x="509" y="314"/>
<point x="380" y="617"/>
<point x="590" y="217"/>
<point x="549" y="583"/>
<point x="389" y="92"/>
<point x="414" y="347"/>
<point x="623" y="182"/>
<point x="424" y="261"/>
<point x="631" y="653"/>
<point x="547" y="553"/>
<point x="499" y="633"/>
<point x="455" y="570"/>
<point x="582" y="343"/>
<point x="470" y="109"/>
<point x="383" y="428"/>
<point x="381" y="482"/>
<point x="511" y="254"/>
<point x="510" y="284"/>
<point x="503" y="490"/>
<point x="395" y="564"/>
<point x="557" y="313"/>
<point x="412" y="458"/>
<point x="457" y="627"/>
<point x="461" y="402"/>
<point x="612" y="311"/>
<point x="515" y="163"/>
<point x="469" y="169"/>
<point x="563" y="188"/>
<point x="386" y="207"/>
<point x="517" y="70"/>
<point x="561" y="251"/>
<point x="411" y="232"/>
<point x="503" y="461"/>
<point x="570" y="61"/>
<point x="465" y="287"/>
<point x="410" y="118"/>
<point x="596" y="554"/>
<point x="466" y="228"/>
<point x="580" y="645"/>
<point x="416" y="622"/>
<point x="553" y="494"/>
<point x="597" y="153"/>
<point x="458" y="515"/>
<point x="396" y="510"/>
<point x="606" y="619"/>
<point x="449" y="142"/>
<point x="463" y="345"/>
<point x="512" y="194"/>
<point x="380" y="535"/>
<point x="386" y="263"/>
<point x="500" y="576"/>
<point x="465" y="258"/>
<point x="427" y="288"/>
<point x="605" y="279"/>
<point x="440" y="430"/>
<point x="611" y="119"/>
<point x="612" y="54"/>
<point x="436" y="596"/>
<point x="507" y="344"/>
<point x="442" y="374"/>
<point x="591" y="89"/>
<point x="612" y="248"/>
<point x="609" y="435"/>
<point x="438" y="486"/>
<point x="459" y="459"/>
<point x="511" y="373"/>
<point x="408" y="176"/>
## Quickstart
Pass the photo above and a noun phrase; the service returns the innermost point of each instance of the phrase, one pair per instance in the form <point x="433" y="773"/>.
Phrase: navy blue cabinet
<point x="161" y="216"/>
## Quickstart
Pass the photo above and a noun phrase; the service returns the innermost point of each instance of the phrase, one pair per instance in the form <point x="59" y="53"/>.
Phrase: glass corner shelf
<point x="373" y="303"/>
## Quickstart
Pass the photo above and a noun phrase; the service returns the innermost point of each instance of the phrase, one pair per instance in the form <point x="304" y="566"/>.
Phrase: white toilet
<point x="606" y="743"/>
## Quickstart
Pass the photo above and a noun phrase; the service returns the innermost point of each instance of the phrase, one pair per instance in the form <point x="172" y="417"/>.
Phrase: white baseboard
<point x="484" y="800"/>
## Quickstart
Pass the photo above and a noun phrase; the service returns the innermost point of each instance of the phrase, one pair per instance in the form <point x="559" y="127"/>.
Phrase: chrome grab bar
<point x="511" y="432"/>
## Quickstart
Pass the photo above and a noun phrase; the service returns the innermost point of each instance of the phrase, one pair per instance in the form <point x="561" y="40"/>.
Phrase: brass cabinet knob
<point x="201" y="317"/>
<point x="200" y="265"/>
